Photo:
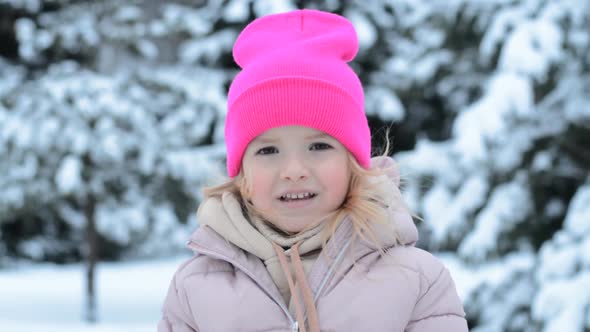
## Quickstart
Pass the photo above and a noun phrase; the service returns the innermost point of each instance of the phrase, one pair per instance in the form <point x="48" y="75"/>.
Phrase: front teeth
<point x="296" y="196"/>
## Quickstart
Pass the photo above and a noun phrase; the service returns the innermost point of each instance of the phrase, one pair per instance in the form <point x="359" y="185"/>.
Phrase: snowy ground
<point x="50" y="298"/>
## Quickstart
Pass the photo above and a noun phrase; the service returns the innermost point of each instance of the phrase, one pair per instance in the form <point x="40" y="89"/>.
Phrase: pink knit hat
<point x="295" y="72"/>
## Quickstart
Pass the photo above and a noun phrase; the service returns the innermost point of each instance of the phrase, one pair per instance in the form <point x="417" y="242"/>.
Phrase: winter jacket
<point x="227" y="285"/>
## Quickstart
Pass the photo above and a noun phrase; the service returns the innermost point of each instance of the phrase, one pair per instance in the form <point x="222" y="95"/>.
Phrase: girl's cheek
<point x="262" y="166"/>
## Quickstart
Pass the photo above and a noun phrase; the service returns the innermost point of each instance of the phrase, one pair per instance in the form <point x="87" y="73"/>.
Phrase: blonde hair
<point x="364" y="203"/>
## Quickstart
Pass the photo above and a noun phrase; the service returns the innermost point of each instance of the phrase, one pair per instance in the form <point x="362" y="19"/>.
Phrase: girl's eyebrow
<point x="320" y="135"/>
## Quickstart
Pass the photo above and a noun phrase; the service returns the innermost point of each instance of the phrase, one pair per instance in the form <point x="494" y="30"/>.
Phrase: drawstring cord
<point x="312" y="314"/>
<point x="285" y="266"/>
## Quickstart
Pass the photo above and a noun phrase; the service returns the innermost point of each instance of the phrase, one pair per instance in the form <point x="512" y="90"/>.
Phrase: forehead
<point x="290" y="132"/>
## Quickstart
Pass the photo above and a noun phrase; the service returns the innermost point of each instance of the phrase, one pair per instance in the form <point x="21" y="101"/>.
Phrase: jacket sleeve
<point x="439" y="307"/>
<point x="175" y="314"/>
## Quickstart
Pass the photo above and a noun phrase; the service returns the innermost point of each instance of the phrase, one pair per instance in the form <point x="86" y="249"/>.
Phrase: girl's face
<point x="297" y="175"/>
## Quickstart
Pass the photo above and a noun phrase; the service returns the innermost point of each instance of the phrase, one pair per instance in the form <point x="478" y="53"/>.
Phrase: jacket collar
<point x="340" y="253"/>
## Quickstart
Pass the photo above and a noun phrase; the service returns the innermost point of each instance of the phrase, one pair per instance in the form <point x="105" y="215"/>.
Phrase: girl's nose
<point x="295" y="169"/>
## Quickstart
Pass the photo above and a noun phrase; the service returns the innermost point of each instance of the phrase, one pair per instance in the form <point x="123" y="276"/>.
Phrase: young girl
<point x="309" y="233"/>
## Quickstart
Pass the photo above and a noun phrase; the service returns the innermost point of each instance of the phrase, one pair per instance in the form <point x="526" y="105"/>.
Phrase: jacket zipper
<point x="195" y="247"/>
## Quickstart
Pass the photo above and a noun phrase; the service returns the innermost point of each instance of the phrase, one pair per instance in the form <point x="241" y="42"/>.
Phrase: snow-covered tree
<point x="499" y="186"/>
<point x="103" y="155"/>
<point x="95" y="79"/>
<point x="119" y="159"/>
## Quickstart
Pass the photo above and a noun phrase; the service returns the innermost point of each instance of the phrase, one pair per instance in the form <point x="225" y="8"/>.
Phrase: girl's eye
<point x="320" y="146"/>
<point x="267" y="150"/>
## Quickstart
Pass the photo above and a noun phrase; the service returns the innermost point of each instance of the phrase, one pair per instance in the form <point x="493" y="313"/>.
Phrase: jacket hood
<point x="399" y="228"/>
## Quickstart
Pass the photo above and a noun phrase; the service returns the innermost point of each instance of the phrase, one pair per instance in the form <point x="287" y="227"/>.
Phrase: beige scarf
<point x="288" y="259"/>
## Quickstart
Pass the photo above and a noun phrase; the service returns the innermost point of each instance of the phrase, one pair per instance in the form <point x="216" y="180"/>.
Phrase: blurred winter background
<point x="111" y="120"/>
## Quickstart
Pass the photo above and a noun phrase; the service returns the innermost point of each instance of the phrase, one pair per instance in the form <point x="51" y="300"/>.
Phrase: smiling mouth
<point x="297" y="197"/>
